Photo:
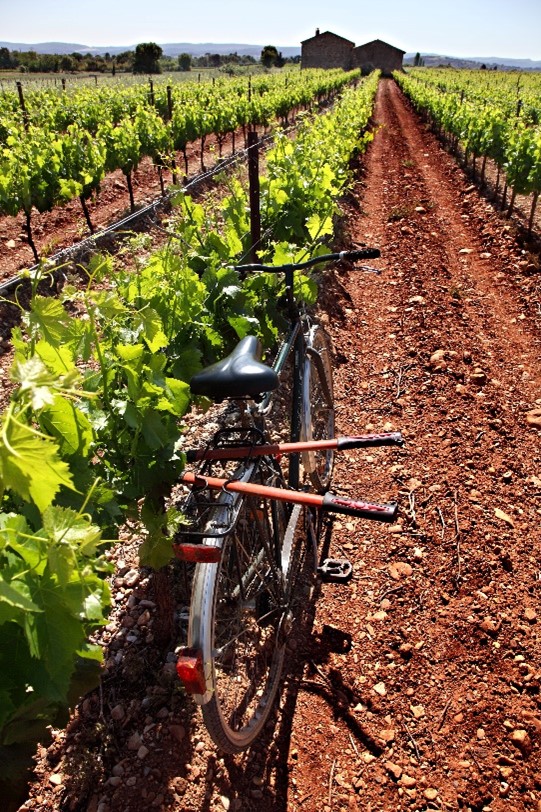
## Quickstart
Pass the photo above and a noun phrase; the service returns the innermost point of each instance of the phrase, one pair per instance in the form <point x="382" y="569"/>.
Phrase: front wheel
<point x="318" y="408"/>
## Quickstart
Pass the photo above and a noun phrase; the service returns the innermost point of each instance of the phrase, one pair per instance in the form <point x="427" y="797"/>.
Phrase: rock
<point x="478" y="377"/>
<point x="118" y="713"/>
<point x="134" y="742"/>
<point x="131" y="577"/>
<point x="143" y="752"/>
<point x="11" y="244"/>
<point x="56" y="779"/>
<point x="521" y="740"/>
<point x="143" y="618"/>
<point x="178" y="732"/>
<point x="431" y="794"/>
<point x="530" y="614"/>
<point x="387" y="735"/>
<point x="489" y="626"/>
<point x="114" y="781"/>
<point x="225" y="802"/>
<point x="380" y="689"/>
<point x="533" y="722"/>
<point x="399" y="569"/>
<point x="408" y="781"/>
<point x="381" y="615"/>
<point x="394" y="769"/>
<point x="504" y="517"/>
<point x="418" y="711"/>
<point x="533" y="418"/>
<point x="437" y="360"/>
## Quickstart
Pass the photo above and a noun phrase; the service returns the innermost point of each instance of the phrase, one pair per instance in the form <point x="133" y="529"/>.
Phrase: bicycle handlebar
<point x="350" y="256"/>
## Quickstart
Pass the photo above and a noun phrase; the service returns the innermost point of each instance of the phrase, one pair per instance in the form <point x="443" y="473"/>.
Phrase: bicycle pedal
<point x="335" y="570"/>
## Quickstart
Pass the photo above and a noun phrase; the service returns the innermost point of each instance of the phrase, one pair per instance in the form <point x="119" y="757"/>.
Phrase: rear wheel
<point x="240" y="619"/>
<point x="318" y="408"/>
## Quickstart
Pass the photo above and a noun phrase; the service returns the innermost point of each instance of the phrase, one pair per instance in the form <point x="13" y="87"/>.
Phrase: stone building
<point x="329" y="50"/>
<point x="377" y="54"/>
<point x="326" y="50"/>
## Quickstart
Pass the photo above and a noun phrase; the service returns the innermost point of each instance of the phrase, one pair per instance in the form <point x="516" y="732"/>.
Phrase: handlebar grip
<point x="392" y="438"/>
<point x="363" y="253"/>
<point x="364" y="510"/>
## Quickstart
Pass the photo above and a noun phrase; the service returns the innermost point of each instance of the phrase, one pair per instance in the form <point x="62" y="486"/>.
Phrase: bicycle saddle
<point x="239" y="375"/>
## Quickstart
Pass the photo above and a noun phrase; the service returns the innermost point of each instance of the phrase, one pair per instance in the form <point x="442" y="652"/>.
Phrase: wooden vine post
<point x="23" y="106"/>
<point x="254" y="193"/>
<point x="169" y="118"/>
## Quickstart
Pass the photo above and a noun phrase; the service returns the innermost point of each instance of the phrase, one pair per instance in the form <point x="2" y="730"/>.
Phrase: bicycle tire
<point x="318" y="408"/>
<point x="240" y="619"/>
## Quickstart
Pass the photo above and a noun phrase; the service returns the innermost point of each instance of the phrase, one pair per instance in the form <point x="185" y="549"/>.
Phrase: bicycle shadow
<point x="262" y="775"/>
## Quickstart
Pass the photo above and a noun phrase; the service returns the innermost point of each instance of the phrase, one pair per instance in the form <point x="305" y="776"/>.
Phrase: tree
<point x="269" y="56"/>
<point x="185" y="62"/>
<point x="5" y="58"/>
<point x="147" y="58"/>
<point x="68" y="63"/>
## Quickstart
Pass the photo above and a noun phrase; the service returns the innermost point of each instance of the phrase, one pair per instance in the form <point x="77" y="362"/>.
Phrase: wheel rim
<point x="247" y="640"/>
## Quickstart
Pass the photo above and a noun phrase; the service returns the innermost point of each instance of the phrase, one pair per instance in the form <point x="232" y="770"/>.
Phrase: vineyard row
<point x="60" y="148"/>
<point x="483" y="126"/>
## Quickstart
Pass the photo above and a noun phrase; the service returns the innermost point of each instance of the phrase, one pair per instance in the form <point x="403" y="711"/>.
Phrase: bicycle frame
<point x="246" y="551"/>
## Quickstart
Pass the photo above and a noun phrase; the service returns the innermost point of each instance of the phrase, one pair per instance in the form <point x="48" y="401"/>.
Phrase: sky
<point x="504" y="28"/>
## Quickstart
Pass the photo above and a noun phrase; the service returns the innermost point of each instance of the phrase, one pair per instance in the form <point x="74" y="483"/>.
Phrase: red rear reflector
<point x="198" y="553"/>
<point x="190" y="670"/>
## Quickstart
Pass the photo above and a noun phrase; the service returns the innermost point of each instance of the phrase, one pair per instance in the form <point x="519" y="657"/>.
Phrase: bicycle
<point x="243" y="513"/>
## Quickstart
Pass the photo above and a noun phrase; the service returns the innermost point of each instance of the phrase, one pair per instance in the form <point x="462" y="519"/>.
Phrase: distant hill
<point x="169" y="48"/>
<point x="473" y="62"/>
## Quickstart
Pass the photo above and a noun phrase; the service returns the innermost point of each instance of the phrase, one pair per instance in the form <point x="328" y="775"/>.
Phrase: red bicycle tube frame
<point x="338" y="444"/>
<point x="328" y="502"/>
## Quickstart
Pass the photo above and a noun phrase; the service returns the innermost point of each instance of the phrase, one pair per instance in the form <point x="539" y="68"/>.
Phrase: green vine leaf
<point x="31" y="465"/>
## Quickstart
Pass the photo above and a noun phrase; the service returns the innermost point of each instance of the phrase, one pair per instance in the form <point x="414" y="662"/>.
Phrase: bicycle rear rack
<point x="208" y="513"/>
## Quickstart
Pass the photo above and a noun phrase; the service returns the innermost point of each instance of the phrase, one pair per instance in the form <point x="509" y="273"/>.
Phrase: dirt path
<point x="416" y="686"/>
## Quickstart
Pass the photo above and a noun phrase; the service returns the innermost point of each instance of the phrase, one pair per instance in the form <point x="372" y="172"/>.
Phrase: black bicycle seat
<point x="239" y="375"/>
